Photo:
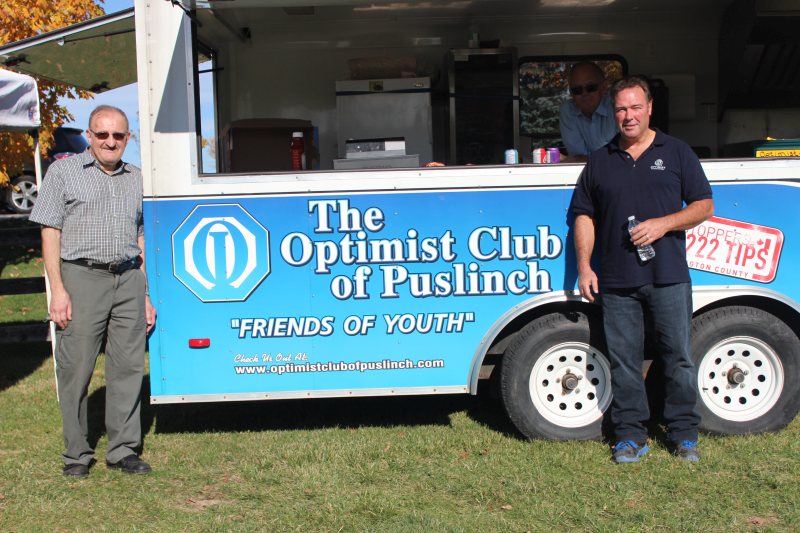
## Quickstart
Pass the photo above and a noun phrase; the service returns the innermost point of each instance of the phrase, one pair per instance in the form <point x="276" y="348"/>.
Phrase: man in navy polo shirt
<point x="657" y="178"/>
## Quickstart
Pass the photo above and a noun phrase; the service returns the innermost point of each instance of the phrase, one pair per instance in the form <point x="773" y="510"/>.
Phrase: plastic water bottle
<point x="646" y="251"/>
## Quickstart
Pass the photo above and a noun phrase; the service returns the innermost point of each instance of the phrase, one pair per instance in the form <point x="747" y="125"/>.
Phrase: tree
<point x="20" y="19"/>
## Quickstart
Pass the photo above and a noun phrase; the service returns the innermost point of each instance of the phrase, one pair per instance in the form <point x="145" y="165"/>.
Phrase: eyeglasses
<point x="578" y="89"/>
<point x="103" y="135"/>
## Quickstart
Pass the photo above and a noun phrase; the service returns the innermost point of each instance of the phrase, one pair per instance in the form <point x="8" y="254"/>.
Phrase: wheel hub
<point x="736" y="375"/>
<point x="569" y="381"/>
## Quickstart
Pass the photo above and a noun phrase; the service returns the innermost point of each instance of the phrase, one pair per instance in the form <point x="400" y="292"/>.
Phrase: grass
<point x="21" y="261"/>
<point x="443" y="463"/>
<point x="379" y="464"/>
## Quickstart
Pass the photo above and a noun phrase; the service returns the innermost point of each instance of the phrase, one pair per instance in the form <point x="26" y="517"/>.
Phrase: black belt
<point x="114" y="268"/>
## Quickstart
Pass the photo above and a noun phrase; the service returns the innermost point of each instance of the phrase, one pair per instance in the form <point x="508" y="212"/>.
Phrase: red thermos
<point x="298" y="149"/>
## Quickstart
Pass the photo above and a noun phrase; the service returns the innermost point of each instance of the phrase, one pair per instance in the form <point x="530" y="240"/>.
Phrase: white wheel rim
<point x="26" y="197"/>
<point x="577" y="407"/>
<point x="760" y="369"/>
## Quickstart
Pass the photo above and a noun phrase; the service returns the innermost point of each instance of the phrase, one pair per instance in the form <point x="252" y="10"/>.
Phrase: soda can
<point x="512" y="157"/>
<point x="539" y="156"/>
<point x="553" y="155"/>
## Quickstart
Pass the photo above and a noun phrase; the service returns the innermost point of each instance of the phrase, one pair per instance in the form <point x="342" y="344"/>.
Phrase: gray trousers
<point x="111" y="306"/>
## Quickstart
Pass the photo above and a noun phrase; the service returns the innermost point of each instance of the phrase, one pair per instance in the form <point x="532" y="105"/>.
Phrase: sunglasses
<point x="103" y="135"/>
<point x="578" y="89"/>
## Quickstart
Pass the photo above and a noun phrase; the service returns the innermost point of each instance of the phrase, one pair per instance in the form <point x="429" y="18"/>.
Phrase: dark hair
<point x="105" y="109"/>
<point x="587" y="64"/>
<point x="630" y="82"/>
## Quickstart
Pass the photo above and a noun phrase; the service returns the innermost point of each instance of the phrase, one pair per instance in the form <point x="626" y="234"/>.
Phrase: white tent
<point x="19" y="102"/>
<point x="19" y="111"/>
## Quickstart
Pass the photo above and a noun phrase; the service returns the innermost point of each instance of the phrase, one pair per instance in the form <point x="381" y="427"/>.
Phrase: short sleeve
<point x="582" y="203"/>
<point x="695" y="184"/>
<point x="49" y="208"/>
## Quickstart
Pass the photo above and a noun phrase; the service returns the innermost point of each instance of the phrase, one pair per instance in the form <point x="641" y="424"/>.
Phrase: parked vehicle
<point x="367" y="275"/>
<point x="21" y="193"/>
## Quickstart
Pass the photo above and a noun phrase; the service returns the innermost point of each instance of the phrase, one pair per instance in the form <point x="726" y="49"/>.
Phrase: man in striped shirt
<point x="90" y="209"/>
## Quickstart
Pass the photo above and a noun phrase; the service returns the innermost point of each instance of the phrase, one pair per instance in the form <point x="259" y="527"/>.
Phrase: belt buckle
<point x="113" y="268"/>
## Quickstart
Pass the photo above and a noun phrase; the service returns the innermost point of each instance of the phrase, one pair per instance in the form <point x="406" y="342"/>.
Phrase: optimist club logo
<point x="736" y="249"/>
<point x="220" y="253"/>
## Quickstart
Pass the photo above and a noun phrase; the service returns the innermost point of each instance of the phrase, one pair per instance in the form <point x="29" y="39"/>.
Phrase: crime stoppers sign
<point x="736" y="249"/>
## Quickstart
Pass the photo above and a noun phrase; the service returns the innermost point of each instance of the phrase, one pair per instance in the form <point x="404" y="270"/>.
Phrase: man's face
<point x="108" y="136"/>
<point x="632" y="113"/>
<point x="589" y="83"/>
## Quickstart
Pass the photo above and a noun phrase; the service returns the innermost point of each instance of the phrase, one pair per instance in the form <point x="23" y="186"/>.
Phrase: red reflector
<point x="199" y="343"/>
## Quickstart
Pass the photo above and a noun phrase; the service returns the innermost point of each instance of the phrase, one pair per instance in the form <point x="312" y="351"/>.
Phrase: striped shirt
<point x="99" y="215"/>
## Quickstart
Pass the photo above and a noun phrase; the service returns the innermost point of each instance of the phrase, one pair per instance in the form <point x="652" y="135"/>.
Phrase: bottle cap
<point x="631" y="217"/>
<point x="297" y="134"/>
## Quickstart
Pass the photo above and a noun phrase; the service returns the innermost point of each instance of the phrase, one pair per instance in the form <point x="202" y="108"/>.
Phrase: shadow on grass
<point x="20" y="360"/>
<point x="320" y="413"/>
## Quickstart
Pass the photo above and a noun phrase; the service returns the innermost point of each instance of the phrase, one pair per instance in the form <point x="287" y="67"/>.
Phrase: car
<point x="20" y="195"/>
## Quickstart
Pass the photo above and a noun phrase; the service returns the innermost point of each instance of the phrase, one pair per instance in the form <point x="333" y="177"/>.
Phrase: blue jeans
<point x="670" y="309"/>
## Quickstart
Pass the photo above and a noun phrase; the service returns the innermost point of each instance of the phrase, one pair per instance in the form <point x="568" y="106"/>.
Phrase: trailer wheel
<point x="556" y="380"/>
<point x="21" y="194"/>
<point x="748" y="370"/>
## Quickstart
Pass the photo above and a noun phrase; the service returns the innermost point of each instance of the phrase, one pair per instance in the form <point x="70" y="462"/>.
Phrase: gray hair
<point x="105" y="109"/>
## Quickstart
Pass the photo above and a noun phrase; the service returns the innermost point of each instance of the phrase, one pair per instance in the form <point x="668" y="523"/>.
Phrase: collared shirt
<point x="613" y="187"/>
<point x="583" y="135"/>
<point x="99" y="215"/>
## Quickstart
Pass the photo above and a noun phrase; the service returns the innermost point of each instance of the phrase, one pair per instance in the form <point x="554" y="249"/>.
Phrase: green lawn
<point x="380" y="464"/>
<point x="21" y="261"/>
<point x="444" y="463"/>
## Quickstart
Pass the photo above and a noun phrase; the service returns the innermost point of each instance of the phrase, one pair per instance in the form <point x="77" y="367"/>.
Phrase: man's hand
<point x="588" y="285"/>
<point x="60" y="307"/>
<point x="149" y="313"/>
<point x="649" y="231"/>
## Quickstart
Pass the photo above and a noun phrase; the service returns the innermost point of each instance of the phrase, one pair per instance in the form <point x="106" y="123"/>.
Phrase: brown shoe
<point x="130" y="465"/>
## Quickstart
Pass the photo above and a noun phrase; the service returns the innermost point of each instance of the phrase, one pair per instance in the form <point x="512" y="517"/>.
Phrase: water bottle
<point x="646" y="251"/>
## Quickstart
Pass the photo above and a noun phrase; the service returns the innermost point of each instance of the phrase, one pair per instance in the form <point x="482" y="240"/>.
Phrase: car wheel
<point x="556" y="379"/>
<point x="748" y="371"/>
<point x="21" y="194"/>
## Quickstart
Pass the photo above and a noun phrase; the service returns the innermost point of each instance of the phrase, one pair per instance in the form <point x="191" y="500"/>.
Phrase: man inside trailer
<point x="586" y="119"/>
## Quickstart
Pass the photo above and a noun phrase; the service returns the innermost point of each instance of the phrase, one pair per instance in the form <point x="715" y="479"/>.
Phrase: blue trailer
<point x="363" y="275"/>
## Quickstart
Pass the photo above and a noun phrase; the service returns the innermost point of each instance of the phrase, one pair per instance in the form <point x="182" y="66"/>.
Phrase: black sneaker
<point x="627" y="451"/>
<point x="687" y="450"/>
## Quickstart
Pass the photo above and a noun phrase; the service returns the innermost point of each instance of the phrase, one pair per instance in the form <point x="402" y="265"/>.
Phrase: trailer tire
<point x="555" y="379"/>
<point x="21" y="194"/>
<point x="748" y="371"/>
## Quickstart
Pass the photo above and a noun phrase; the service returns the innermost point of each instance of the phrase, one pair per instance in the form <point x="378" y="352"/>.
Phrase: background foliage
<point x="20" y="19"/>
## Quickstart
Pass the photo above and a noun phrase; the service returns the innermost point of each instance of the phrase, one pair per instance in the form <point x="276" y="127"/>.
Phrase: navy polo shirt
<point x="613" y="187"/>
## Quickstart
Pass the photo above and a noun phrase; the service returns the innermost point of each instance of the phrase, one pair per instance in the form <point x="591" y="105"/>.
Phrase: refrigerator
<point x="386" y="109"/>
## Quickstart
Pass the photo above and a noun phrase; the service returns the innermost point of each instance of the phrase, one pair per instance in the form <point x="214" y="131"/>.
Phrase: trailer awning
<point x="96" y="55"/>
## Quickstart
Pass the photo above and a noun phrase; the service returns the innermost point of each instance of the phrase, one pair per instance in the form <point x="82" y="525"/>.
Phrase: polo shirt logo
<point x="658" y="165"/>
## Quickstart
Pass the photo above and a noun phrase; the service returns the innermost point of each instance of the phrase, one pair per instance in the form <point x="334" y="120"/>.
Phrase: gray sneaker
<point x="687" y="450"/>
<point x="627" y="451"/>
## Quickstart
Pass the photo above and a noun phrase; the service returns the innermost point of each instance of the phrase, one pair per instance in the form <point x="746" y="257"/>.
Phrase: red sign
<point x="736" y="249"/>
